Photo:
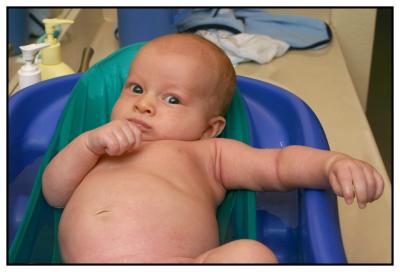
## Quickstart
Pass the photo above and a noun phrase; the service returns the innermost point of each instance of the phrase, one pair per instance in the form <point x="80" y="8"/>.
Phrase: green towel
<point x="88" y="107"/>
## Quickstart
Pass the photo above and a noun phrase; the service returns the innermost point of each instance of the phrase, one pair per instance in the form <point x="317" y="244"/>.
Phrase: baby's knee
<point x="239" y="251"/>
<point x="255" y="252"/>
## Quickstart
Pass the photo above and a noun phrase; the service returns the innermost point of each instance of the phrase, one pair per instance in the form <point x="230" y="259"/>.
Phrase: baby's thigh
<point x="239" y="251"/>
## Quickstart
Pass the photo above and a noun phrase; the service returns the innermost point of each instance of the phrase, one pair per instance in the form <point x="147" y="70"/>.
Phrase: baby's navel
<point x="102" y="211"/>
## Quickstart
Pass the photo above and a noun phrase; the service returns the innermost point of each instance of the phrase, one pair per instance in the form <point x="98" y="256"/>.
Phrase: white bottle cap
<point x="29" y="51"/>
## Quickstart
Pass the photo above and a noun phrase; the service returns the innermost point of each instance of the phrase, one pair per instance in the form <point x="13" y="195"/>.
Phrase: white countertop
<point x="322" y="80"/>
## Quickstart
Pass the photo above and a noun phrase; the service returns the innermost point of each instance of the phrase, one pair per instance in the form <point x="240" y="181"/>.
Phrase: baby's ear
<point x="215" y="126"/>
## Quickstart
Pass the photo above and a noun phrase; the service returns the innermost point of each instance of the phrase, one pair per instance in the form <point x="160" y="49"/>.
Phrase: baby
<point x="145" y="186"/>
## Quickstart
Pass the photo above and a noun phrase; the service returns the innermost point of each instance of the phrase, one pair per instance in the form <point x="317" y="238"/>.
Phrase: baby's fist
<point x="114" y="138"/>
<point x="351" y="178"/>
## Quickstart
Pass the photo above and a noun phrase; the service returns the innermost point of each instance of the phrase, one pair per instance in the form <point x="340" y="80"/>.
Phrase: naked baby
<point x="144" y="187"/>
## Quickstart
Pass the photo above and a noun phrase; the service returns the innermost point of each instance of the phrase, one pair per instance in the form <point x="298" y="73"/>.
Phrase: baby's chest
<point x="163" y="159"/>
<point x="169" y="168"/>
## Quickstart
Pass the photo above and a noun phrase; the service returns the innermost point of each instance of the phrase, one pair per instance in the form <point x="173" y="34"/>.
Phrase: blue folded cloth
<point x="207" y="18"/>
<point x="299" y="32"/>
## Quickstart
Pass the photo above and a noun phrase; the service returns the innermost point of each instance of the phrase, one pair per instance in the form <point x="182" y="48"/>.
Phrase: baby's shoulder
<point x="204" y="147"/>
<point x="209" y="146"/>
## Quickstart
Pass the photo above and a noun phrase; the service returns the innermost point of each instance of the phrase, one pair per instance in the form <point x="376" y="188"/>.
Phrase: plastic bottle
<point x="52" y="65"/>
<point x="29" y="73"/>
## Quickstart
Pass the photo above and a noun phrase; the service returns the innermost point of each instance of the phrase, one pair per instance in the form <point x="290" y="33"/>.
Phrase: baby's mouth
<point x="143" y="126"/>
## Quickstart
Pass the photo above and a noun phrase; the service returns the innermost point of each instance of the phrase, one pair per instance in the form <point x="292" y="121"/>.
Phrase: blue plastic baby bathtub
<point x="300" y="226"/>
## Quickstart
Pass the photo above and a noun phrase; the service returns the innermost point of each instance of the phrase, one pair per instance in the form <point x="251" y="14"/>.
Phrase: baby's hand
<point x="114" y="138"/>
<point x="350" y="177"/>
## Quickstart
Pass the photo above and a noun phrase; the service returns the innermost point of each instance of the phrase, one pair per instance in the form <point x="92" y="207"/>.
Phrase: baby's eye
<point x="172" y="99"/>
<point x="136" y="89"/>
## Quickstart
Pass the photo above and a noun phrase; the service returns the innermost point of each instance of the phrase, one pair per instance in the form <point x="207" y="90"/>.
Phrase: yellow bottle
<point x="51" y="65"/>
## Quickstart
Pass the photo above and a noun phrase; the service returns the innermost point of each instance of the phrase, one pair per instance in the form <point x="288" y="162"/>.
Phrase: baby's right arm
<point x="68" y="168"/>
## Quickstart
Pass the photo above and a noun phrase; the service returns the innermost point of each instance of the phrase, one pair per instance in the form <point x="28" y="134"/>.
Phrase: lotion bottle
<point x="51" y="65"/>
<point x="29" y="73"/>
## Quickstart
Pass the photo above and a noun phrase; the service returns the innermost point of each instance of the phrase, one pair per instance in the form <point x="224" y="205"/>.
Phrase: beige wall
<point x="354" y="28"/>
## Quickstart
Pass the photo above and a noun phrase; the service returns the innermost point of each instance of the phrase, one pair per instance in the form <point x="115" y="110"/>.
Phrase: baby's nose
<point x="144" y="105"/>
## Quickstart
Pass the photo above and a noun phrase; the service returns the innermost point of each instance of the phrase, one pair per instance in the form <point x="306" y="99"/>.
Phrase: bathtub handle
<point x="87" y="55"/>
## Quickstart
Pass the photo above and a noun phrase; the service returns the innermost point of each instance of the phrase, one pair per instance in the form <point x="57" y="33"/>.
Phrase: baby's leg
<point x="239" y="251"/>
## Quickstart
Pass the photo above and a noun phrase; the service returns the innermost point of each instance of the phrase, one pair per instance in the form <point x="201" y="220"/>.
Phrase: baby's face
<point x="167" y="96"/>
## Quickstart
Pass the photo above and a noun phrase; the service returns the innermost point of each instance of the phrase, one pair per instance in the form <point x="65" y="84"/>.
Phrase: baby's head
<point x="181" y="86"/>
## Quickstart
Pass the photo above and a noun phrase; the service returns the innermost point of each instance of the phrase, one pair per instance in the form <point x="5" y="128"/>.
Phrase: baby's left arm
<point x="239" y="166"/>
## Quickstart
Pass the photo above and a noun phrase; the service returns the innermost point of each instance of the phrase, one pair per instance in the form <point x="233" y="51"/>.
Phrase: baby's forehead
<point x="188" y="45"/>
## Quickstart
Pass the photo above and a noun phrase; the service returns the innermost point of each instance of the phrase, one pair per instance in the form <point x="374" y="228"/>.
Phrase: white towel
<point x="245" y="47"/>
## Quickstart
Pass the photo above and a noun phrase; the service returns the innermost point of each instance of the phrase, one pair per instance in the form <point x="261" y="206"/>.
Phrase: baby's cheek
<point x="182" y="127"/>
<point x="114" y="113"/>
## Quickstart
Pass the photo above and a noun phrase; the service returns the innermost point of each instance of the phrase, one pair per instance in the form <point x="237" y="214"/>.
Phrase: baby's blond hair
<point x="186" y="43"/>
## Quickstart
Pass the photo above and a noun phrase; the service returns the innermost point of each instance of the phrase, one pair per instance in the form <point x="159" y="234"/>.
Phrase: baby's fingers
<point x="379" y="184"/>
<point x="370" y="183"/>
<point x="335" y="184"/>
<point x="344" y="179"/>
<point x="360" y="186"/>
<point x="131" y="136"/>
<point x="136" y="134"/>
<point x="116" y="143"/>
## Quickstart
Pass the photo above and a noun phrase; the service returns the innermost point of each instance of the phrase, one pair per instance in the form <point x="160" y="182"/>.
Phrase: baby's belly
<point x="140" y="218"/>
